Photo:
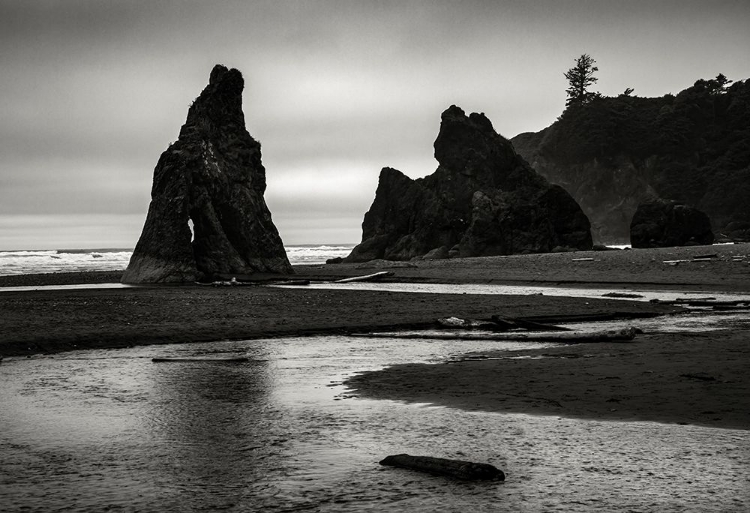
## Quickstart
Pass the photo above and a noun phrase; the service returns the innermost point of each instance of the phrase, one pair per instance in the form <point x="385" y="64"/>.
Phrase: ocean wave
<point x="77" y="260"/>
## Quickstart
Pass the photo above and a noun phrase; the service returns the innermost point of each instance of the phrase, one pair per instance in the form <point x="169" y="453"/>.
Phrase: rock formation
<point x="616" y="152"/>
<point x="483" y="199"/>
<point x="661" y="224"/>
<point x="211" y="179"/>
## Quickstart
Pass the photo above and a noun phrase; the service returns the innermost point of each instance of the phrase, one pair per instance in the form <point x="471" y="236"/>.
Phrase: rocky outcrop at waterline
<point x="483" y="199"/>
<point x="207" y="214"/>
<point x="662" y="224"/>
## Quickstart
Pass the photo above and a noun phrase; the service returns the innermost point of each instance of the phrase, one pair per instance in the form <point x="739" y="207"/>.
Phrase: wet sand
<point x="692" y="378"/>
<point x="677" y="378"/>
<point x="59" y="320"/>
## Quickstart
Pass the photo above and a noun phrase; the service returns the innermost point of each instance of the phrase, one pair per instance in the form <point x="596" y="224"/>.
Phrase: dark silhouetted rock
<point x="737" y="231"/>
<point x="483" y="199"/>
<point x="661" y="224"/>
<point x="440" y="253"/>
<point x="212" y="178"/>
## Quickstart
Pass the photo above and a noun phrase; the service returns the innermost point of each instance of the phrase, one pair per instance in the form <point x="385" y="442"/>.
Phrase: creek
<point x="110" y="429"/>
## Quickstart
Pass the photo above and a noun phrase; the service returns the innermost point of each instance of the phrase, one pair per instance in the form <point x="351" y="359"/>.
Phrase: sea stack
<point x="484" y="199"/>
<point x="207" y="215"/>
<point x="660" y="223"/>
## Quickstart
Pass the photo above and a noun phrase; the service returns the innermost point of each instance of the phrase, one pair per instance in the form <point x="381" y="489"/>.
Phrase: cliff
<point x="207" y="214"/>
<point x="615" y="153"/>
<point x="483" y="199"/>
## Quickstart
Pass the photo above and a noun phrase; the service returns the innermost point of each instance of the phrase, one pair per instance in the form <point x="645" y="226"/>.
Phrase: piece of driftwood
<point x="292" y="283"/>
<point x="466" y="470"/>
<point x="495" y="324"/>
<point x="468" y="324"/>
<point x="366" y="277"/>
<point x="704" y="302"/>
<point x="233" y="359"/>
<point x="563" y="337"/>
<point x="527" y="325"/>
<point x="592" y="317"/>
<point x="622" y="295"/>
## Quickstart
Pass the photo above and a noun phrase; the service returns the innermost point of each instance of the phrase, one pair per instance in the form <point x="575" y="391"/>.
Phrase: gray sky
<point x="91" y="93"/>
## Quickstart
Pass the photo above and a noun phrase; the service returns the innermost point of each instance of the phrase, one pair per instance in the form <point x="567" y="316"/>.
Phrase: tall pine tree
<point x="581" y="77"/>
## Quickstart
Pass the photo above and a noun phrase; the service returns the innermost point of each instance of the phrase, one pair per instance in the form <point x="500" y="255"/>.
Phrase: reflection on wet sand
<point x="209" y="415"/>
<point x="91" y="430"/>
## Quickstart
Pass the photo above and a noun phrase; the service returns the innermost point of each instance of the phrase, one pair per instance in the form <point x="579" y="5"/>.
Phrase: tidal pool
<point x="110" y="429"/>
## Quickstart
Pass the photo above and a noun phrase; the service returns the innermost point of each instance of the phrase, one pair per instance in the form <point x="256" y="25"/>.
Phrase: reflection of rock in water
<point x="220" y="425"/>
<point x="207" y="214"/>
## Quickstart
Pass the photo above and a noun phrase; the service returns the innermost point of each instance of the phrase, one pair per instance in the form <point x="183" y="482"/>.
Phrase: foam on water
<point x="82" y="260"/>
<point x="56" y="261"/>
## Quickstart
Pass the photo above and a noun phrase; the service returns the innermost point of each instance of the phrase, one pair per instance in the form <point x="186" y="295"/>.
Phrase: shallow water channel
<point x="85" y="431"/>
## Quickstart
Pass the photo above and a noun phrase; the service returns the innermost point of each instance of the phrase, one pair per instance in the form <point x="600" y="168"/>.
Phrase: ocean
<point x="78" y="260"/>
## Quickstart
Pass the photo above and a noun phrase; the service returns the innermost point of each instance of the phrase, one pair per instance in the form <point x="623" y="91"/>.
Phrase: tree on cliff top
<point x="581" y="77"/>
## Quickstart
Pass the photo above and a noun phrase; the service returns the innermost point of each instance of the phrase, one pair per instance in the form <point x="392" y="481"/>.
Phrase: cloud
<point x="93" y="92"/>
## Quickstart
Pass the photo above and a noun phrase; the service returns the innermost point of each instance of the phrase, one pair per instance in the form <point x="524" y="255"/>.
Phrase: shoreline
<point x="51" y="321"/>
<point x="728" y="269"/>
<point x="696" y="378"/>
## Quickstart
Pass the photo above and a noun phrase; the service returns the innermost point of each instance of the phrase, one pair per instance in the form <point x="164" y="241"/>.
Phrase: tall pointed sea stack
<point x="483" y="199"/>
<point x="212" y="178"/>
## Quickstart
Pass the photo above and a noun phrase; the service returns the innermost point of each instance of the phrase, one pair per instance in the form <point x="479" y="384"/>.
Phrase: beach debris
<point x="467" y="324"/>
<point x="563" y="337"/>
<point x="705" y="258"/>
<point x="293" y="283"/>
<point x="527" y="325"/>
<point x="496" y="324"/>
<point x="622" y="295"/>
<point x="709" y="302"/>
<point x="582" y="259"/>
<point x="226" y="283"/>
<point x="366" y="277"/>
<point x="222" y="359"/>
<point x="465" y="470"/>
<point x="380" y="263"/>
<point x="590" y="317"/>
<point x="675" y="262"/>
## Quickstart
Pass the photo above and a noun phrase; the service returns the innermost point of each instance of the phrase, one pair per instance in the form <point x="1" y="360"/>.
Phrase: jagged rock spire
<point x="207" y="214"/>
<point x="483" y="199"/>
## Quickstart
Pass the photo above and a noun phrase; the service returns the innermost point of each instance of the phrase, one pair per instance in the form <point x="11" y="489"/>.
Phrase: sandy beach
<point x="696" y="378"/>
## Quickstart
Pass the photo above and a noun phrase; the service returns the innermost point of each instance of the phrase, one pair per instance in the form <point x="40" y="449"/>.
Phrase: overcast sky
<point x="91" y="93"/>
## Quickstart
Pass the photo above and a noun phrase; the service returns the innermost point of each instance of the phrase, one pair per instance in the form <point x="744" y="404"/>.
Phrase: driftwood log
<point x="468" y="324"/>
<point x="495" y="324"/>
<point x="465" y="470"/>
<point x="164" y="359"/>
<point x="367" y="277"/>
<point x="565" y="337"/>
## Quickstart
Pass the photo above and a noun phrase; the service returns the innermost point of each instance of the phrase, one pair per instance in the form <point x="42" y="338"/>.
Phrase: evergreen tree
<point x="581" y="77"/>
